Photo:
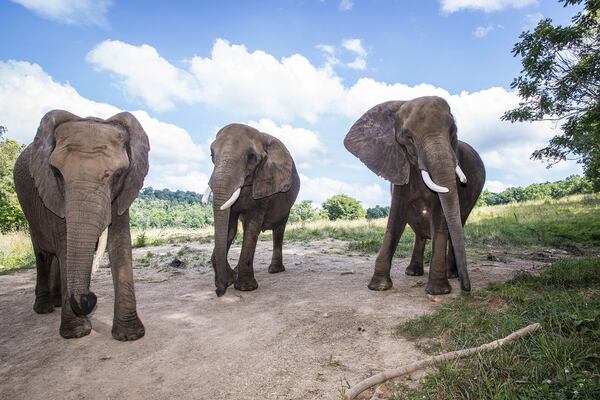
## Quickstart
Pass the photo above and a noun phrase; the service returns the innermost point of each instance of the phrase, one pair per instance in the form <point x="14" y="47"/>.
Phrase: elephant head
<point x="243" y="157"/>
<point x="83" y="168"/>
<point x="394" y="135"/>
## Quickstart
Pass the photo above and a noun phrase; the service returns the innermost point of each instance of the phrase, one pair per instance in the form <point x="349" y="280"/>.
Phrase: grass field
<point x="561" y="361"/>
<point x="571" y="223"/>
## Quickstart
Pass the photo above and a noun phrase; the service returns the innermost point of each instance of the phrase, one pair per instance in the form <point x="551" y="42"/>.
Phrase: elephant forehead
<point x="88" y="133"/>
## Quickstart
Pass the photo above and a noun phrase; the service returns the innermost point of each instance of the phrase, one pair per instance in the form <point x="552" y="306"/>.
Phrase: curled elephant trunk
<point x="444" y="172"/>
<point x="87" y="215"/>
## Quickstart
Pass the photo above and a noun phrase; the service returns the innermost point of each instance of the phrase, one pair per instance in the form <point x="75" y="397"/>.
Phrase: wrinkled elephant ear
<point x="39" y="162"/>
<point x="372" y="139"/>
<point x="274" y="175"/>
<point x="137" y="150"/>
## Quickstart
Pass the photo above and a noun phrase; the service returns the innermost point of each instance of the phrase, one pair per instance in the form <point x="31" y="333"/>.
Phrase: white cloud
<point x="482" y="31"/>
<point x="345" y="5"/>
<point x="358" y="63"/>
<point x="355" y="46"/>
<point x="144" y="73"/>
<point x="531" y="20"/>
<point x="450" y="6"/>
<point x="496" y="186"/>
<point x="329" y="52"/>
<point x="70" y="12"/>
<point x="27" y="92"/>
<point x="303" y="144"/>
<point x="321" y="188"/>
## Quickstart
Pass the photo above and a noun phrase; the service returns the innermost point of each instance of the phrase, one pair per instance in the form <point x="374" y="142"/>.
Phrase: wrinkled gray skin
<point x="262" y="167"/>
<point x="79" y="176"/>
<point x="397" y="140"/>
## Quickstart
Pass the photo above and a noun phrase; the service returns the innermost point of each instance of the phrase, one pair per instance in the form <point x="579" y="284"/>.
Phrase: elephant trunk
<point x="87" y="215"/>
<point x="441" y="162"/>
<point x="224" y="184"/>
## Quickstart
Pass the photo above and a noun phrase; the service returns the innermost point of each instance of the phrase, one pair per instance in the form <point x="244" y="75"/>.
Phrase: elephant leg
<point x="72" y="326"/>
<point x="55" y="286"/>
<point x="126" y="323"/>
<point x="381" y="279"/>
<point x="451" y="270"/>
<point x="438" y="282"/>
<point x="43" y="302"/>
<point x="244" y="279"/>
<point x="415" y="268"/>
<point x="277" y="259"/>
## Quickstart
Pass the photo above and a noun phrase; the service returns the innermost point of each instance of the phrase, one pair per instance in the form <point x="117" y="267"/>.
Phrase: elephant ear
<point x="137" y="150"/>
<point x="373" y="140"/>
<point x="274" y="175"/>
<point x="39" y="163"/>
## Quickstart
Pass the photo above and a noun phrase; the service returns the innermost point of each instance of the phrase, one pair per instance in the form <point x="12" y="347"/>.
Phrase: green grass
<point x="561" y="361"/>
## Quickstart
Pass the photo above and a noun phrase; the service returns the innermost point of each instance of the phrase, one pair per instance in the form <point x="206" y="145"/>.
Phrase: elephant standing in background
<point x="254" y="178"/>
<point x="75" y="183"/>
<point x="436" y="180"/>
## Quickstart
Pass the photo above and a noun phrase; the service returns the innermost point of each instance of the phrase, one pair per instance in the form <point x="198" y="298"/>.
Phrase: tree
<point x="303" y="211"/>
<point x="560" y="82"/>
<point x="11" y="216"/>
<point x="342" y="206"/>
<point x="378" y="212"/>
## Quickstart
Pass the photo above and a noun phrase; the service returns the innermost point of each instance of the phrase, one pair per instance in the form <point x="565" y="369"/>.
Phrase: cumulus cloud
<point x="345" y="5"/>
<point x="27" y="92"/>
<point x="304" y="145"/>
<point x="496" y="186"/>
<point x="70" y="12"/>
<point x="355" y="46"/>
<point x="451" y="6"/>
<point x="320" y="189"/>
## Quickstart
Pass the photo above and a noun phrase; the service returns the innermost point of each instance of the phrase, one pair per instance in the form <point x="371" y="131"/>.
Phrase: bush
<point x="304" y="211"/>
<point x="378" y="212"/>
<point x="11" y="216"/>
<point x="342" y="206"/>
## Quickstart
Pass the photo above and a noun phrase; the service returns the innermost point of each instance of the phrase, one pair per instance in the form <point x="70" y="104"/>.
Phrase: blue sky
<point x="303" y="71"/>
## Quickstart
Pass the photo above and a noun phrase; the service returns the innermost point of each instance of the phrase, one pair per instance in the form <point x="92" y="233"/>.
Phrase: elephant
<point x="254" y="179"/>
<point x="75" y="183"/>
<point x="436" y="181"/>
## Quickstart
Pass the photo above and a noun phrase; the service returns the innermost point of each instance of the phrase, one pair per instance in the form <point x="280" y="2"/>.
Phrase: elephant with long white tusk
<point x="254" y="179"/>
<point x="414" y="145"/>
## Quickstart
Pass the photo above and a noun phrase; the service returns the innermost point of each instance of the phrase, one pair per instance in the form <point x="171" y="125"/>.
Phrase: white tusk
<point x="100" y="251"/>
<point x="460" y="174"/>
<point x="232" y="199"/>
<point x="206" y="195"/>
<point x="431" y="185"/>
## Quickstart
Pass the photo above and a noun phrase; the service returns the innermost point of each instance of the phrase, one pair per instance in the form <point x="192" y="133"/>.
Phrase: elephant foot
<point x="414" y="269"/>
<point x="43" y="306"/>
<point x="438" y="287"/>
<point x="230" y="278"/>
<point x="75" y="328"/>
<point x="380" y="283"/>
<point x="275" y="268"/>
<point x="245" y="285"/>
<point x="130" y="330"/>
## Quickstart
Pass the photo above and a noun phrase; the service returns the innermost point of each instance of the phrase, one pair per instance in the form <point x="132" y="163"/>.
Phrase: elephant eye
<point x="251" y="157"/>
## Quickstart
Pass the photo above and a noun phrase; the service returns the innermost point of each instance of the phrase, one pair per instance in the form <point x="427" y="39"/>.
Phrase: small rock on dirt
<point x="176" y="263"/>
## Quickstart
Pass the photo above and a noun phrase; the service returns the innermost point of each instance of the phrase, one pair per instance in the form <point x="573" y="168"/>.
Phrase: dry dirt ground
<point x="302" y="334"/>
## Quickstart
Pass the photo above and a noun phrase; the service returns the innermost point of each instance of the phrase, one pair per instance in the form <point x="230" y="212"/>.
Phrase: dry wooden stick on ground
<point x="453" y="355"/>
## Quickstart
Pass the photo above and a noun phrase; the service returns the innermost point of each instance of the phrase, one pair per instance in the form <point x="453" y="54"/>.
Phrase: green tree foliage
<point x="165" y="208"/>
<point x="342" y="206"/>
<point x="560" y="81"/>
<point x="574" y="184"/>
<point x="11" y="216"/>
<point x="303" y="211"/>
<point x="378" y="212"/>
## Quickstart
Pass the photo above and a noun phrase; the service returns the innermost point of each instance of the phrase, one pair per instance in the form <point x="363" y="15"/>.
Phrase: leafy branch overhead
<point x="560" y="81"/>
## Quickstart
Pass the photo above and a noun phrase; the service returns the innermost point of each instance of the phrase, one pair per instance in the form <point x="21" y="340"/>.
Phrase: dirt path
<point x="299" y="336"/>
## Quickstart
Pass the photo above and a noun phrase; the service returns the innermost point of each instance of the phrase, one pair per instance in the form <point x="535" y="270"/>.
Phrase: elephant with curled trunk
<point x="75" y="183"/>
<point x="436" y="180"/>
<point x="255" y="179"/>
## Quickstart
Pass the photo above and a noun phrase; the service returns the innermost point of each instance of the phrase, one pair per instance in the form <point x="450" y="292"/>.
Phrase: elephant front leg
<point x="244" y="279"/>
<point x="415" y="268"/>
<point x="451" y="269"/>
<point x="126" y="323"/>
<point x="438" y="281"/>
<point x="43" y="301"/>
<point x="277" y="259"/>
<point x="381" y="279"/>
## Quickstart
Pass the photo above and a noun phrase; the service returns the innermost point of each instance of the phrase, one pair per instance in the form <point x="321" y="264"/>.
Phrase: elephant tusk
<point x="460" y="174"/>
<point x="100" y="251"/>
<point x="232" y="199"/>
<point x="432" y="185"/>
<point x="206" y="195"/>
